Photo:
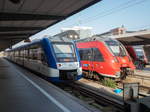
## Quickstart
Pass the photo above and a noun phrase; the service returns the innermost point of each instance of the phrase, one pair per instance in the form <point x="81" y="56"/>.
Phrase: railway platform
<point x="22" y="91"/>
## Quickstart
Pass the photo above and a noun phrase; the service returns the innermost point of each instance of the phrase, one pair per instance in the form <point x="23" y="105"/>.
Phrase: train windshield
<point x="116" y="48"/>
<point x="139" y="52"/>
<point x="65" y="52"/>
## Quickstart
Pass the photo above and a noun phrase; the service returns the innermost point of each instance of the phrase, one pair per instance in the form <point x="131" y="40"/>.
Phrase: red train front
<point x="138" y="56"/>
<point x="104" y="56"/>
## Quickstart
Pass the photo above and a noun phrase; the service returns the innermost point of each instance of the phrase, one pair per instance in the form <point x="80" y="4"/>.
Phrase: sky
<point x="106" y="15"/>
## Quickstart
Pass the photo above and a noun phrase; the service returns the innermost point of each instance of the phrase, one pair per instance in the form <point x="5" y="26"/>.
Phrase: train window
<point x="11" y="53"/>
<point x="15" y="53"/>
<point x="82" y="54"/>
<point x="43" y="57"/>
<point x="85" y="54"/>
<point x="97" y="55"/>
<point x="30" y="53"/>
<point x="21" y="53"/>
<point x="90" y="54"/>
<point x="26" y="53"/>
<point x="116" y="48"/>
<point x="36" y="53"/>
<point x="64" y="52"/>
<point x="33" y="52"/>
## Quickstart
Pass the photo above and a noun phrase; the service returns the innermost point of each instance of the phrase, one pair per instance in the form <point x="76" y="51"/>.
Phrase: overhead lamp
<point x="71" y="36"/>
<point x="76" y="36"/>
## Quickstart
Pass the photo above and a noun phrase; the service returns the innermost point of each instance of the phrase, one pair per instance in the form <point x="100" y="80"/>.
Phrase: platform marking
<point x="45" y="93"/>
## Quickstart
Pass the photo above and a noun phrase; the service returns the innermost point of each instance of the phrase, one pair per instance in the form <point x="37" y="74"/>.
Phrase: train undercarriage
<point x="96" y="76"/>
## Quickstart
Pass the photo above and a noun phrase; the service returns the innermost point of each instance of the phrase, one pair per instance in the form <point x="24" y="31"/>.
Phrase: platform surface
<point x="21" y="91"/>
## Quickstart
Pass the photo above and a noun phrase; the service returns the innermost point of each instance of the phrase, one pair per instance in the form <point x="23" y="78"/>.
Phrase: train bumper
<point x="58" y="80"/>
<point x="127" y="71"/>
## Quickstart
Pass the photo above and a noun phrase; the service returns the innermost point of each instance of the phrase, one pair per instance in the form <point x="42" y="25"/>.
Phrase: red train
<point x="138" y="56"/>
<point x="104" y="57"/>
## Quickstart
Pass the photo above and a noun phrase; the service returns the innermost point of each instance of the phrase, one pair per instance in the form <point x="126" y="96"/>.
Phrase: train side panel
<point x="105" y="65"/>
<point x="106" y="57"/>
<point x="40" y="57"/>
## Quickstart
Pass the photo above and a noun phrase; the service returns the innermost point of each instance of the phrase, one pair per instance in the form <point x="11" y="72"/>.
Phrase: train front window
<point x="116" y="48"/>
<point x="139" y="53"/>
<point x="64" y="52"/>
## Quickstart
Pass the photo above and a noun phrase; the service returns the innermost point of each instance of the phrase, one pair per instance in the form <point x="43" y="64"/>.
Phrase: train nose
<point x="124" y="63"/>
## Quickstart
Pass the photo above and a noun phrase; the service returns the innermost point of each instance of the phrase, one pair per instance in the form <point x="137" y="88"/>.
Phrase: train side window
<point x="33" y="51"/>
<point x="91" y="54"/>
<point x="97" y="55"/>
<point x="30" y="54"/>
<point x="16" y="53"/>
<point x="21" y="53"/>
<point x="85" y="54"/>
<point x="13" y="53"/>
<point x="26" y="53"/>
<point x="43" y="57"/>
<point x="81" y="54"/>
<point x="36" y="53"/>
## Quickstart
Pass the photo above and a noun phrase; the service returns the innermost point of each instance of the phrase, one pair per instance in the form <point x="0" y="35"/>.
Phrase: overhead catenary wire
<point x="110" y="10"/>
<point x="113" y="10"/>
<point x="141" y="27"/>
<point x="116" y="10"/>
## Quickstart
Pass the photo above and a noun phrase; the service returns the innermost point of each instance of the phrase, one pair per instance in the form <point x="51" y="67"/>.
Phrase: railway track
<point x="97" y="98"/>
<point x="141" y="76"/>
<point x="146" y="89"/>
<point x="144" y="81"/>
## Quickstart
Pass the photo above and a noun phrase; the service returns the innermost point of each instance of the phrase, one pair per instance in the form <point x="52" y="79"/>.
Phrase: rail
<point x="98" y="97"/>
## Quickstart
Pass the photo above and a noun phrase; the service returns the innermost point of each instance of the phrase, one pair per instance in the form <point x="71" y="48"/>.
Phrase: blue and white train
<point x="55" y="58"/>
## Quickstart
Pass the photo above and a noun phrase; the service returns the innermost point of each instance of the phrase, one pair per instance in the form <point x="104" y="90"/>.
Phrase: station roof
<point x="135" y="38"/>
<point x="19" y="19"/>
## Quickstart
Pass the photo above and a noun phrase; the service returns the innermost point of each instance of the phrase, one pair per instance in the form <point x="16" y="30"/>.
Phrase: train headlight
<point x="113" y="61"/>
<point x="123" y="60"/>
<point x="59" y="65"/>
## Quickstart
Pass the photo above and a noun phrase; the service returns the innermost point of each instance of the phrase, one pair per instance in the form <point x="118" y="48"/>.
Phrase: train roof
<point x="59" y="38"/>
<point x="95" y="38"/>
<point x="27" y="44"/>
<point x="36" y="41"/>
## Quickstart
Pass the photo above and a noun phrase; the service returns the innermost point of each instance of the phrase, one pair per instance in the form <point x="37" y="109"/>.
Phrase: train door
<point x="91" y="60"/>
